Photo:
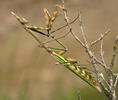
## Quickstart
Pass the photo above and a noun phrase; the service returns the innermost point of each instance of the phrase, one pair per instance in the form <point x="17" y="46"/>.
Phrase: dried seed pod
<point x="47" y="17"/>
<point x="55" y="13"/>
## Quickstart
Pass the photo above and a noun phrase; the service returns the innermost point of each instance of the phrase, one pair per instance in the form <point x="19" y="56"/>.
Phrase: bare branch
<point x="98" y="74"/>
<point x="69" y="26"/>
<point x="81" y="27"/>
<point x="113" y="81"/>
<point x="102" y="76"/>
<point x="79" y="96"/>
<point x="114" y="52"/>
<point x="100" y="63"/>
<point x="91" y="55"/>
<point x="101" y="37"/>
<point x="107" y="69"/>
<point x="102" y="52"/>
<point x="116" y="80"/>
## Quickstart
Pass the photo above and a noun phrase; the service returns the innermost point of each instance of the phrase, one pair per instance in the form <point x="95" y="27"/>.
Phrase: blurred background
<point x="27" y="72"/>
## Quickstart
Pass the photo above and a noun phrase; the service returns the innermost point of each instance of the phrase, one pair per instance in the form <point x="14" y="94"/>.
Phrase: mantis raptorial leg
<point x="49" y="22"/>
<point x="38" y="30"/>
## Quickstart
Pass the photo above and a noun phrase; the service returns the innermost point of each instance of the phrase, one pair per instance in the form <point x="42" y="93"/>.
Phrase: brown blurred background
<point x="27" y="72"/>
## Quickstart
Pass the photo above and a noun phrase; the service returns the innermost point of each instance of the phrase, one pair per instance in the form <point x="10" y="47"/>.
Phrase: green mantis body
<point x="67" y="62"/>
<point x="72" y="64"/>
<point x="78" y="70"/>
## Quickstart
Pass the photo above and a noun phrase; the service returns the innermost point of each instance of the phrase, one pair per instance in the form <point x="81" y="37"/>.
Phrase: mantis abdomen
<point x="79" y="71"/>
<point x="84" y="75"/>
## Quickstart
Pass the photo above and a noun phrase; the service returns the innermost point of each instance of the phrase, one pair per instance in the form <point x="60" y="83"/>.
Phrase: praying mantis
<point x="67" y="62"/>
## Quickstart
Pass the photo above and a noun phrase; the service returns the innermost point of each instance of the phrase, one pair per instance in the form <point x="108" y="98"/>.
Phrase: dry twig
<point x="82" y="30"/>
<point x="101" y="37"/>
<point x="114" y="52"/>
<point x="93" y="59"/>
<point x="102" y="53"/>
<point x="79" y="96"/>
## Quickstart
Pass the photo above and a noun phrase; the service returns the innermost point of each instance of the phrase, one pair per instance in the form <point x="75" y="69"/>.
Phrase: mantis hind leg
<point x="61" y="50"/>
